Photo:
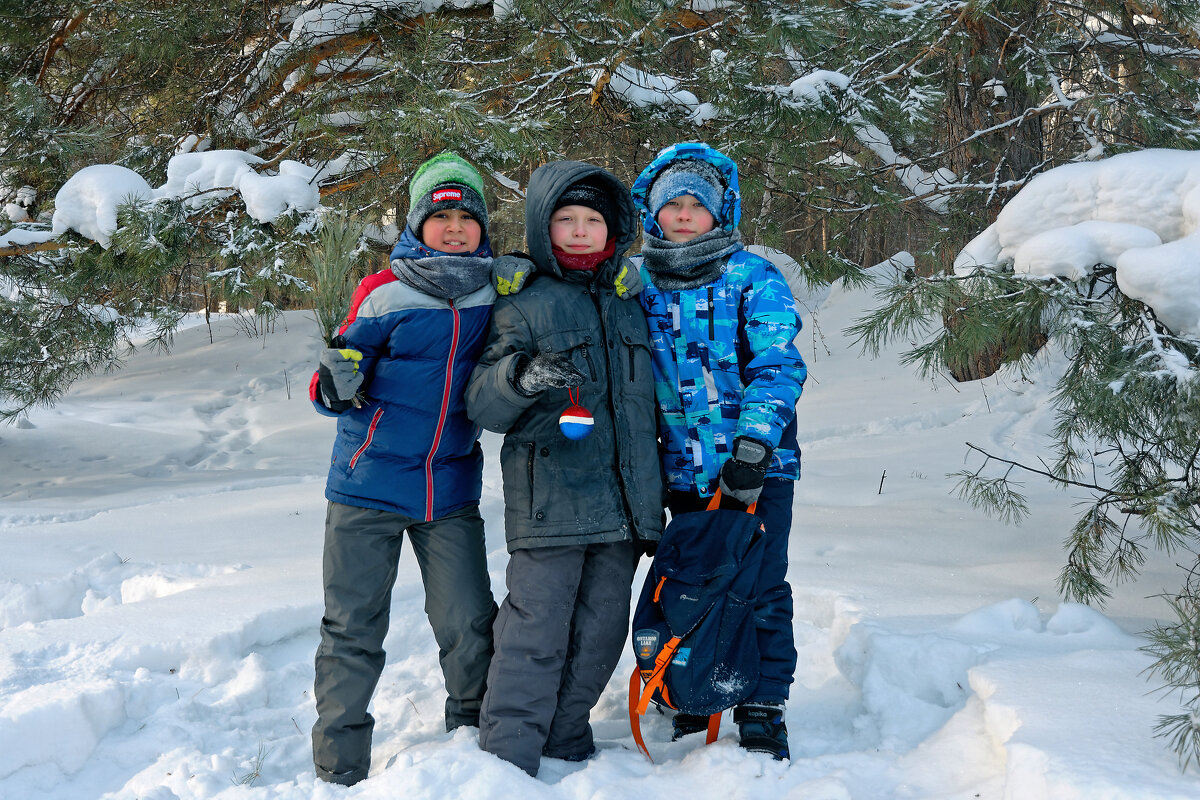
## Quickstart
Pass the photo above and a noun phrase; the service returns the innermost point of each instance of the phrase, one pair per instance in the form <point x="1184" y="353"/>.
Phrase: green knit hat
<point x="443" y="182"/>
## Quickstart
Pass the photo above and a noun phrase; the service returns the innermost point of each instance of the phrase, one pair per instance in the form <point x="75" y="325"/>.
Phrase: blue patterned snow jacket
<point x="410" y="449"/>
<point x="725" y="363"/>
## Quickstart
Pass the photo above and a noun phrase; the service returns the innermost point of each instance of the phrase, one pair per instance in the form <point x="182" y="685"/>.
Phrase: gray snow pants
<point x="559" y="635"/>
<point x="362" y="548"/>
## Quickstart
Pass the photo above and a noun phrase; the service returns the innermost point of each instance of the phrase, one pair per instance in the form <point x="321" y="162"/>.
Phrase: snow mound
<point x="87" y="202"/>
<point x="1021" y="619"/>
<point x="1138" y="212"/>
<point x="911" y="684"/>
<point x="1072" y="251"/>
<point x="647" y="90"/>
<point x="972" y="691"/>
<point x="21" y="237"/>
<point x="271" y="196"/>
<point x="202" y="177"/>
<point x="103" y="582"/>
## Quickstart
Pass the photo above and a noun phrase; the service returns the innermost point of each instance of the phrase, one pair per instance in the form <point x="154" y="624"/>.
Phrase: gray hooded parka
<point x="606" y="487"/>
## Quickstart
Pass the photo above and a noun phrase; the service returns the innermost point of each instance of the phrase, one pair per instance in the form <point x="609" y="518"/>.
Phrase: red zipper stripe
<point x="437" y="435"/>
<point x="370" y="436"/>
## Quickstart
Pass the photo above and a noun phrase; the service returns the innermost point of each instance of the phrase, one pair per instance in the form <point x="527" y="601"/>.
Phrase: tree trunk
<point x="980" y="96"/>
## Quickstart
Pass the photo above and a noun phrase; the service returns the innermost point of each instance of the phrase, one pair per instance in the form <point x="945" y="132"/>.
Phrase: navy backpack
<point x="694" y="635"/>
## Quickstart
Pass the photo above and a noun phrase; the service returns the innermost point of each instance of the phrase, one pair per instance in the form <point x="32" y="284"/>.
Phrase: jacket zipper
<point x="712" y="324"/>
<point x="370" y="435"/>
<point x="441" y="424"/>
<point x="587" y="356"/>
<point x="532" y="451"/>
<point x="610" y="386"/>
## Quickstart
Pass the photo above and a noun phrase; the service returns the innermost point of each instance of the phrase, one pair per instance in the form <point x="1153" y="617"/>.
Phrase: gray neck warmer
<point x="447" y="277"/>
<point x="685" y="265"/>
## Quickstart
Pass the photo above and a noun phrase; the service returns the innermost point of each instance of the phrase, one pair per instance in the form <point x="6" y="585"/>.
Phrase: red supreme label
<point x="441" y="195"/>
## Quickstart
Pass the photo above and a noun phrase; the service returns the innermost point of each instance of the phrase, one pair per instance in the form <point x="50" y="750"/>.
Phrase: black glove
<point x="742" y="475"/>
<point x="339" y="377"/>
<point x="545" y="371"/>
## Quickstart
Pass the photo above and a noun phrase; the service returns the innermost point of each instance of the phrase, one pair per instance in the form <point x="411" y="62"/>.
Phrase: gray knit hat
<point x="700" y="179"/>
<point x="444" y="182"/>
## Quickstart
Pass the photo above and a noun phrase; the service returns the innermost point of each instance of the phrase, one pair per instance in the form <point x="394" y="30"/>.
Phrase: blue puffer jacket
<point x="411" y="448"/>
<point x="725" y="363"/>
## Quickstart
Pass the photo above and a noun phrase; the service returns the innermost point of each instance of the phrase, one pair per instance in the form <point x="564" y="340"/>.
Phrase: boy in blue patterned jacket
<point x="406" y="460"/>
<point x="727" y="378"/>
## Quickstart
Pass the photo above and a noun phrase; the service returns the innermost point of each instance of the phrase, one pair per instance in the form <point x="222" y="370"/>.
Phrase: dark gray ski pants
<point x="362" y="548"/>
<point x="559" y="635"/>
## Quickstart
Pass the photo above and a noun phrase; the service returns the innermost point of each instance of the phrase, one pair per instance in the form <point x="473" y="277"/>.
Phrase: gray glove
<point x="628" y="281"/>
<point x="545" y="371"/>
<point x="510" y="271"/>
<point x="339" y="377"/>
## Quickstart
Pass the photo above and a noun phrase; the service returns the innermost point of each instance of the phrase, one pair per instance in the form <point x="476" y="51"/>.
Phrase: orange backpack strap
<point x="715" y="503"/>
<point x="639" y="697"/>
<point x="714" y="727"/>
<point x="635" y="719"/>
<point x="655" y="681"/>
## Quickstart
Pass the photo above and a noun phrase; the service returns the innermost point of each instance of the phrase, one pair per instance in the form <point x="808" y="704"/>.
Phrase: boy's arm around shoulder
<point x="492" y="400"/>
<point x="362" y="331"/>
<point x="776" y="371"/>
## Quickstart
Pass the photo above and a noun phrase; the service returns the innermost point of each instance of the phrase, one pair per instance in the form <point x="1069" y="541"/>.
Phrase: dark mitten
<point x="742" y="475"/>
<point x="546" y="371"/>
<point x="339" y="377"/>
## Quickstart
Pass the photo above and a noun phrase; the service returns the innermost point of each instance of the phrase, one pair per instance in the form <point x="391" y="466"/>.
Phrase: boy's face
<point x="684" y="218"/>
<point x="578" y="229"/>
<point x="451" y="231"/>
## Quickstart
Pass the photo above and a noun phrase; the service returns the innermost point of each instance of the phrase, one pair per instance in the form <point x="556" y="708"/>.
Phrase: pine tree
<point x="1100" y="82"/>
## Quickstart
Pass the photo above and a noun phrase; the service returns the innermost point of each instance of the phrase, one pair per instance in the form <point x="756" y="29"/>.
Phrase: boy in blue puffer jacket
<point x="406" y="459"/>
<point x="727" y="378"/>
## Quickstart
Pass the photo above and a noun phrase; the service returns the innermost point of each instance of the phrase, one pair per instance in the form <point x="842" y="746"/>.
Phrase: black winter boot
<point x="762" y="729"/>
<point x="686" y="724"/>
<point x="574" y="758"/>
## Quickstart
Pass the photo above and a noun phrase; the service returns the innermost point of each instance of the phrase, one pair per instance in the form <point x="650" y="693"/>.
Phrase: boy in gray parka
<point x="577" y="511"/>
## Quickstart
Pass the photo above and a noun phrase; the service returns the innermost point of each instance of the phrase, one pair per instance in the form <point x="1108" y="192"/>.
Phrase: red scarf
<point x="584" y="261"/>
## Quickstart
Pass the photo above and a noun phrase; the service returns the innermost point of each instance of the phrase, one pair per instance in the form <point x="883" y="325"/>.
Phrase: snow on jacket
<point x="557" y="491"/>
<point x="725" y="361"/>
<point x="411" y="448"/>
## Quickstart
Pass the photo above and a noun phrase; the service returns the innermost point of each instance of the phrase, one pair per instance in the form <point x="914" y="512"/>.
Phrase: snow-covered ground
<point x="160" y="538"/>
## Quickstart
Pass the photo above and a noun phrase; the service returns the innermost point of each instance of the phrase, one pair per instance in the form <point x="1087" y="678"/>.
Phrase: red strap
<point x="714" y="726"/>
